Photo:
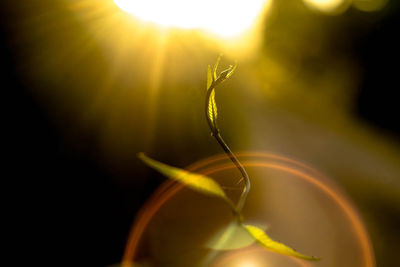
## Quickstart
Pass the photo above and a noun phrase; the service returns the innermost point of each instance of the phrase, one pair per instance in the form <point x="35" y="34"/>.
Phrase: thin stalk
<point x="240" y="167"/>
<point x="216" y="134"/>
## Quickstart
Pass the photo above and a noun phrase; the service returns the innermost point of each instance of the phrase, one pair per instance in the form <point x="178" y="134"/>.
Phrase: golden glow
<point x="218" y="163"/>
<point x="370" y="5"/>
<point x="247" y="264"/>
<point x="223" y="17"/>
<point x="324" y="5"/>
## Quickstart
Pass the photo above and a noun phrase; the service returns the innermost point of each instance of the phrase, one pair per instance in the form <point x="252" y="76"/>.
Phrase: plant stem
<point x="240" y="167"/>
<point x="216" y="134"/>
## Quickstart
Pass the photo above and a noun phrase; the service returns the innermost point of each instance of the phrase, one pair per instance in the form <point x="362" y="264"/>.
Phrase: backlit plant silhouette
<point x="207" y="185"/>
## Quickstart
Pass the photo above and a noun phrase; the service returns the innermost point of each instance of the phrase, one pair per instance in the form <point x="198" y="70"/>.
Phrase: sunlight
<point x="370" y="5"/>
<point x="325" y="5"/>
<point x="224" y="18"/>
<point x="247" y="264"/>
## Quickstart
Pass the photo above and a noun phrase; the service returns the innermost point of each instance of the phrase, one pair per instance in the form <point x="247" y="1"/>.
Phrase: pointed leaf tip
<point x="266" y="242"/>
<point x="231" y="70"/>
<point x="225" y="74"/>
<point x="198" y="182"/>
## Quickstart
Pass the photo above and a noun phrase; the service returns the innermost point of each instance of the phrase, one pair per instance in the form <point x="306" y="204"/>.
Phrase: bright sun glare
<point x="324" y="5"/>
<point x="226" y="18"/>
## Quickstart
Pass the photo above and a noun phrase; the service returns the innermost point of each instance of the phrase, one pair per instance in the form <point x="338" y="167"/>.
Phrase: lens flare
<point x="327" y="6"/>
<point x="225" y="18"/>
<point x="370" y="5"/>
<point x="247" y="264"/>
<point x="297" y="171"/>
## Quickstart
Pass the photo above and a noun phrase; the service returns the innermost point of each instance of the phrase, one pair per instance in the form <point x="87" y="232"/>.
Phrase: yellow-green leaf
<point x="227" y="73"/>
<point x="212" y="109"/>
<point x="195" y="181"/>
<point x="265" y="241"/>
<point x="209" y="77"/>
<point x="231" y="237"/>
<point x="231" y="70"/>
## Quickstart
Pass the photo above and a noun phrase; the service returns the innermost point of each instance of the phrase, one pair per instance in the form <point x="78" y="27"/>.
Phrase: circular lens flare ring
<point x="257" y="159"/>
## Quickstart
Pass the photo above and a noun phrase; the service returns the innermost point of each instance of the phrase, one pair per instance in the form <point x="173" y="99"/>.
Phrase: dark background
<point x="67" y="206"/>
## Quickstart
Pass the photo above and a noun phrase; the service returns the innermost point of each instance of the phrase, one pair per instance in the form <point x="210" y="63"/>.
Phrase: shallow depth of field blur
<point x="99" y="83"/>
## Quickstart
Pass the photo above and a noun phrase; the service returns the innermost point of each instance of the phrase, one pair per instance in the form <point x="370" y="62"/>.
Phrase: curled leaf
<point x="212" y="110"/>
<point x="198" y="182"/>
<point x="266" y="242"/>
<point x="228" y="72"/>
<point x="231" y="70"/>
